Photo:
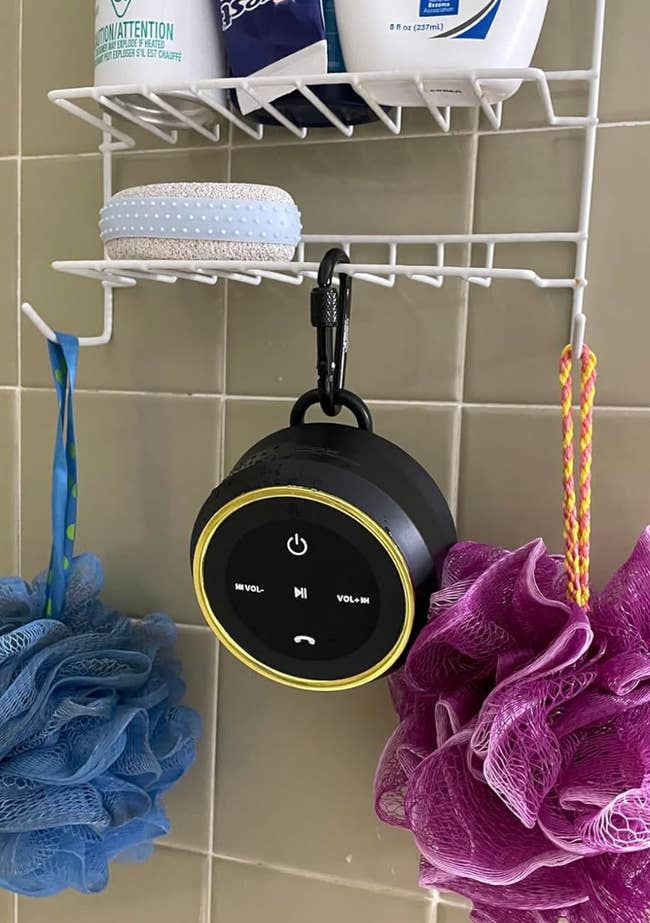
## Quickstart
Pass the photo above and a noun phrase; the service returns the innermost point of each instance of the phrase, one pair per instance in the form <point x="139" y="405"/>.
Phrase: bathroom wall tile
<point x="505" y="452"/>
<point x="294" y="779"/>
<point x="565" y="44"/>
<point x="146" y="466"/>
<point x="405" y="340"/>
<point x="9" y="65"/>
<point x="526" y="182"/>
<point x="427" y="433"/>
<point x="623" y="96"/>
<point x="619" y="324"/>
<point x="170" y="887"/>
<point x="6" y="907"/>
<point x="167" y="337"/>
<point x="621" y="497"/>
<point x="189" y="803"/>
<point x="449" y="914"/>
<point x="8" y="273"/>
<point x="357" y="188"/>
<point x="246" y="893"/>
<point x="248" y="421"/>
<point x="58" y="52"/>
<point x="8" y="484"/>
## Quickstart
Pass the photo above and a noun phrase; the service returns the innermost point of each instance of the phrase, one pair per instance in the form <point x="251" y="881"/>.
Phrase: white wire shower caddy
<point x="401" y="255"/>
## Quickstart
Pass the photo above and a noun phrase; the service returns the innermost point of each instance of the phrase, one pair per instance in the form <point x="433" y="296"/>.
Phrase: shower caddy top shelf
<point x="470" y="257"/>
<point x="211" y="94"/>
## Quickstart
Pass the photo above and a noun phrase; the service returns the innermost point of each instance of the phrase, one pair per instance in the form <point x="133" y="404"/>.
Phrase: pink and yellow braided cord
<point x="577" y="507"/>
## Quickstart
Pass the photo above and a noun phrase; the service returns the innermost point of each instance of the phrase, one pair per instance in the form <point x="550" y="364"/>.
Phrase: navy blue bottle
<point x="342" y="100"/>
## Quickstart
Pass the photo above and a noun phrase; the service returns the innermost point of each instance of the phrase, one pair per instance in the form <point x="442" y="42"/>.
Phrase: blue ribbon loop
<point x="64" y="357"/>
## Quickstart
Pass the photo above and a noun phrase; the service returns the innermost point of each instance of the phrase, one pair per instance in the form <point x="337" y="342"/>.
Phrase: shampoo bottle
<point x="158" y="44"/>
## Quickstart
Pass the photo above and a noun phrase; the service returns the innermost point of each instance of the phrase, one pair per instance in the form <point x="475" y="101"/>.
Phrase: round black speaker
<point x="314" y="561"/>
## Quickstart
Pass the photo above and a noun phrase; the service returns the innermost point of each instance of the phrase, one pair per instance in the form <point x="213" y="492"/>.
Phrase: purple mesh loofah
<point x="522" y="761"/>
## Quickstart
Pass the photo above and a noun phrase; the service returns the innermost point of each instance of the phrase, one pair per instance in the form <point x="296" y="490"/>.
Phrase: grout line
<point x="359" y="139"/>
<point x="462" y="346"/>
<point x="18" y="503"/>
<point x="460" y="904"/>
<point x="630" y="123"/>
<point x="454" y="474"/>
<point x="432" y="915"/>
<point x="359" y="884"/>
<point x="206" y="899"/>
<point x="192" y="625"/>
<point x="67" y="155"/>
<point x="219" y="465"/>
<point x="200" y="628"/>
<point x="213" y="754"/>
<point x="181" y="395"/>
<point x="19" y="287"/>
<point x="176" y="847"/>
<point x="376" y="402"/>
<point x="419" y="135"/>
<point x="224" y="343"/>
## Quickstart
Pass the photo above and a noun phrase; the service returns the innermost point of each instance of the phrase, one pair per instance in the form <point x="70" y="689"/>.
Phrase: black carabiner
<point x="330" y="314"/>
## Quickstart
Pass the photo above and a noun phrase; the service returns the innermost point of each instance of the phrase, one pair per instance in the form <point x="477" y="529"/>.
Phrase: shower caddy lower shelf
<point x="126" y="273"/>
<point x="425" y="259"/>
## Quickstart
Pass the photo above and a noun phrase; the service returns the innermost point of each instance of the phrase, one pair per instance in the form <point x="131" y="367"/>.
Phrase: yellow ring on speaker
<point x="317" y="496"/>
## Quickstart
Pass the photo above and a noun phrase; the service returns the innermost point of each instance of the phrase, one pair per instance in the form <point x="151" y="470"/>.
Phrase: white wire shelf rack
<point x="425" y="259"/>
<point x="212" y="94"/>
<point x="401" y="256"/>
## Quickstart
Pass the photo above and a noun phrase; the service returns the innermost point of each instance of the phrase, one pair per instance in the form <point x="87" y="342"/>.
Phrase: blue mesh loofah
<point x="91" y="734"/>
<point x="91" y="730"/>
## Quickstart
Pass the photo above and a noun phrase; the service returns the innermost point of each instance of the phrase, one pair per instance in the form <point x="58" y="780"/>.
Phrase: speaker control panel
<point x="304" y="588"/>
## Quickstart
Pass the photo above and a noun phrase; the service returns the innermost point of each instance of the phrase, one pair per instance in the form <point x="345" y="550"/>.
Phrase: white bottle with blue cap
<point x="422" y="36"/>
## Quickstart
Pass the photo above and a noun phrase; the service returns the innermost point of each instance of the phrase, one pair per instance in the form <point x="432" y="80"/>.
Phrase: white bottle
<point x="161" y="43"/>
<point x="420" y="36"/>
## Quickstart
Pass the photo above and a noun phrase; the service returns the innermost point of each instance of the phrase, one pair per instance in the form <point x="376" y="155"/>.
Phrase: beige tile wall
<point x="276" y="823"/>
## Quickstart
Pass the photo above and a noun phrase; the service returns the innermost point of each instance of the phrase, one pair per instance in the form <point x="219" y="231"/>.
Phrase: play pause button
<point x="300" y="592"/>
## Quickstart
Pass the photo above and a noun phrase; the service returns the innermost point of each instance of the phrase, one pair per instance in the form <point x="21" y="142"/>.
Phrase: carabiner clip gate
<point x="330" y="315"/>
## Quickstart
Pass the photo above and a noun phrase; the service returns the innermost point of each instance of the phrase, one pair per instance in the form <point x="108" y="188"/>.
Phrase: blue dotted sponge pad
<point x="201" y="221"/>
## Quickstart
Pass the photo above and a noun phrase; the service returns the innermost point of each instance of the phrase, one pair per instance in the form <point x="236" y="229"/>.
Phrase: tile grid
<point x="459" y="406"/>
<point x="376" y="402"/>
<point x="19" y="293"/>
<point x="481" y="132"/>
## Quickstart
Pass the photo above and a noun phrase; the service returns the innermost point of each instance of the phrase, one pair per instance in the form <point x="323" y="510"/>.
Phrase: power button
<point x="297" y="546"/>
